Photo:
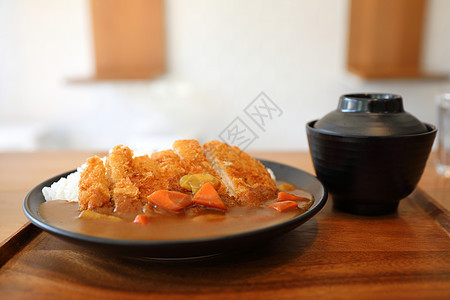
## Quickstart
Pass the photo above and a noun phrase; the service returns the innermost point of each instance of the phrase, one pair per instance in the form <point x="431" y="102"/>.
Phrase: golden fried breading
<point x="119" y="162"/>
<point x="225" y="161"/>
<point x="125" y="193"/>
<point x="171" y="169"/>
<point x="126" y="196"/>
<point x="93" y="187"/>
<point x="144" y="164"/>
<point x="244" y="177"/>
<point x="257" y="175"/>
<point x="193" y="157"/>
<point x="146" y="176"/>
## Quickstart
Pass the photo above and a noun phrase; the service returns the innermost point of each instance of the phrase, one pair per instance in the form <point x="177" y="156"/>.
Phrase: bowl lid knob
<point x="371" y="103"/>
<point x="373" y="114"/>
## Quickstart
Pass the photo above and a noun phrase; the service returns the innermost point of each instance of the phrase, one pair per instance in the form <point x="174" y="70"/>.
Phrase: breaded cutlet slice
<point x="191" y="152"/>
<point x="125" y="193"/>
<point x="93" y="187"/>
<point x="171" y="169"/>
<point x="245" y="178"/>
<point x="195" y="162"/>
<point x="119" y="163"/>
<point x="257" y="175"/>
<point x="126" y="196"/>
<point x="146" y="176"/>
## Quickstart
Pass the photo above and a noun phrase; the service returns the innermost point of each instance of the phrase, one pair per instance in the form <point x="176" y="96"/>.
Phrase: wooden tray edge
<point x="16" y="242"/>
<point x="435" y="210"/>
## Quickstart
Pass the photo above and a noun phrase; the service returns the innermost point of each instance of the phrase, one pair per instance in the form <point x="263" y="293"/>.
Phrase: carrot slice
<point x="142" y="219"/>
<point x="170" y="200"/>
<point x="208" y="196"/>
<point x="282" y="196"/>
<point x="283" y="206"/>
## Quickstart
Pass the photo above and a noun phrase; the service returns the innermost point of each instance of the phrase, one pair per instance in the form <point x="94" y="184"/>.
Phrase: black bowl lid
<point x="375" y="114"/>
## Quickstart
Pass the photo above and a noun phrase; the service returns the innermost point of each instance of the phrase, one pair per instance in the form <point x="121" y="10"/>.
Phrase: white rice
<point x="64" y="189"/>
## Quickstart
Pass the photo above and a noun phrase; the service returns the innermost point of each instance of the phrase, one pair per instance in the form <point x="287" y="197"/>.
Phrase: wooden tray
<point x="334" y="255"/>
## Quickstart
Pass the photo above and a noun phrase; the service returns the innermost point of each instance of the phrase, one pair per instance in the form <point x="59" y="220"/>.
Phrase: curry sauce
<point x="191" y="223"/>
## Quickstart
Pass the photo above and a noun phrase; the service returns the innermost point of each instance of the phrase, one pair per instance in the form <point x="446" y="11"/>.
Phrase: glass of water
<point x="443" y="151"/>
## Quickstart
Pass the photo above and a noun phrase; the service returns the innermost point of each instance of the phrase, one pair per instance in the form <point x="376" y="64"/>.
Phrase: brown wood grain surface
<point x="128" y="38"/>
<point x="334" y="255"/>
<point x="385" y="38"/>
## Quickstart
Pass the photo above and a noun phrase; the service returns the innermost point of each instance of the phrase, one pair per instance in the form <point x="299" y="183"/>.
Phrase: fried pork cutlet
<point x="195" y="162"/>
<point x="119" y="163"/>
<point x="245" y="178"/>
<point x="257" y="175"/>
<point x="93" y="185"/>
<point x="171" y="169"/>
<point x="126" y="196"/>
<point x="125" y="182"/>
<point x="194" y="159"/>
<point x="125" y="193"/>
<point x="146" y="176"/>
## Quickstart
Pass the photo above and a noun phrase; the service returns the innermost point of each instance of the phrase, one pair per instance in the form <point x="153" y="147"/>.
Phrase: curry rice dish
<point x="190" y="182"/>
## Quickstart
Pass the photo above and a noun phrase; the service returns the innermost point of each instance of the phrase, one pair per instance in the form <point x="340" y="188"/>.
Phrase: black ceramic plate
<point x="186" y="249"/>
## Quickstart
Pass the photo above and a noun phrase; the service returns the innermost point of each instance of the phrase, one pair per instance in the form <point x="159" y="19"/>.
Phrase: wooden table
<point x="334" y="255"/>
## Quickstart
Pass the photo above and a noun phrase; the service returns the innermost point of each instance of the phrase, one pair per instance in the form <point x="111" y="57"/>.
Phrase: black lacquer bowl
<point x="174" y="250"/>
<point x="369" y="174"/>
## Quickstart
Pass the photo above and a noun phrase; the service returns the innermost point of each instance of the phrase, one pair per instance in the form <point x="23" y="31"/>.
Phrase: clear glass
<point x="443" y="150"/>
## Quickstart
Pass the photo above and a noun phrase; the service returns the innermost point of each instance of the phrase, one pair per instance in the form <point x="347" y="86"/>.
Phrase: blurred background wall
<point x="220" y="55"/>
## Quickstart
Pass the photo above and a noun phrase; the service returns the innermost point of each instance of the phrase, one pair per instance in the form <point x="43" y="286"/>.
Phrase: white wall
<point x="221" y="55"/>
